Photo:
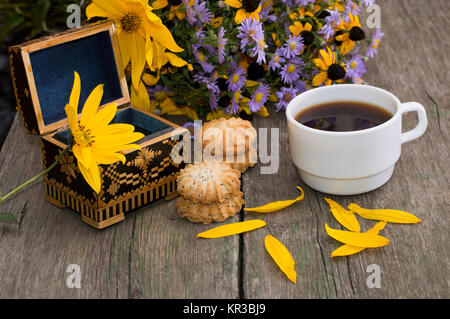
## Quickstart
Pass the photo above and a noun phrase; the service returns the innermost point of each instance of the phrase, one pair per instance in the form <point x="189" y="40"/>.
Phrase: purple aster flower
<point x="373" y="47"/>
<point x="350" y="7"/>
<point x="258" y="50"/>
<point x="259" y="98"/>
<point x="285" y="95"/>
<point x="293" y="46"/>
<point x="331" y="22"/>
<point x="236" y="80"/>
<point x="222" y="42"/>
<point x="198" y="13"/>
<point x="300" y="86"/>
<point x="276" y="59"/>
<point x="202" y="59"/>
<point x="292" y="70"/>
<point x="234" y="106"/>
<point x="355" y="67"/>
<point x="211" y="84"/>
<point x="249" y="31"/>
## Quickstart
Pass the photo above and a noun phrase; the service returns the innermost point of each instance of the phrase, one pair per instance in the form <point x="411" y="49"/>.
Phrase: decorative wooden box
<point x="42" y="72"/>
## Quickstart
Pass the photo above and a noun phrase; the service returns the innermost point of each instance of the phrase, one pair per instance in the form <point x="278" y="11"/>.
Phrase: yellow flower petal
<point x="234" y="3"/>
<point x="281" y="256"/>
<point x="389" y="215"/>
<point x="357" y="239"/>
<point x="138" y="58"/>
<point x="92" y="176"/>
<point x="140" y="98"/>
<point x="276" y="206"/>
<point x="346" y="250"/>
<point x="320" y="64"/>
<point x="232" y="229"/>
<point x="91" y="105"/>
<point x="327" y="58"/>
<point x="75" y="93"/>
<point x="107" y="157"/>
<point x="161" y="34"/>
<point x="103" y="117"/>
<point x="159" y="4"/>
<point x="106" y="8"/>
<point x="344" y="217"/>
<point x="241" y="15"/>
<point x="319" y="78"/>
<point x="175" y="60"/>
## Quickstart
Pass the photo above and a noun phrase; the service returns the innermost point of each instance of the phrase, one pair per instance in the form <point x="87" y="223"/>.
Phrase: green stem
<point x="37" y="176"/>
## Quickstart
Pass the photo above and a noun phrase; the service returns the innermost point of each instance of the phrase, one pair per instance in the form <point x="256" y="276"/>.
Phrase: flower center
<point x="235" y="78"/>
<point x="201" y="56"/>
<point x="291" y="68"/>
<point x="353" y="64"/>
<point x="276" y="58"/>
<point x="130" y="22"/>
<point x="258" y="97"/>
<point x="308" y="37"/>
<point x="292" y="45"/>
<point x="357" y="34"/>
<point x="336" y="72"/>
<point x="174" y="2"/>
<point x="261" y="44"/>
<point x="84" y="137"/>
<point x="250" y="5"/>
<point x="287" y="97"/>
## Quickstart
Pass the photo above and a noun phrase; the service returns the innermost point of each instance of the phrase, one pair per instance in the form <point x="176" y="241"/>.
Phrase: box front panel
<point x="144" y="172"/>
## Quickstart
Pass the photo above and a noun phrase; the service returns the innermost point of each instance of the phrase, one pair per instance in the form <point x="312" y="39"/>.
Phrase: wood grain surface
<point x="155" y="254"/>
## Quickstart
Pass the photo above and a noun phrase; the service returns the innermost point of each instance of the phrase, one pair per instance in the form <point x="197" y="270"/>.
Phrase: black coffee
<point x="343" y="116"/>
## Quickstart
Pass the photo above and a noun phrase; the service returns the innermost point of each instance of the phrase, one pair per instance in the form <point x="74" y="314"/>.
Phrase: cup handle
<point x="421" y="125"/>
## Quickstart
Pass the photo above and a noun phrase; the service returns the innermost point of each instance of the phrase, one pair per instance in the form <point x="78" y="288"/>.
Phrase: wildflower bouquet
<point x="247" y="55"/>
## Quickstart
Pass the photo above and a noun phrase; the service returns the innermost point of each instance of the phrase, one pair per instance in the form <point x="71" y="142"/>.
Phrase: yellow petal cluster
<point x="354" y="240"/>
<point x="95" y="140"/>
<point x="143" y="39"/>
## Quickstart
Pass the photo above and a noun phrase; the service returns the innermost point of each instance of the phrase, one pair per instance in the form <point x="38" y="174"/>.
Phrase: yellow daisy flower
<point x="95" y="140"/>
<point x="348" y="33"/>
<point x="247" y="9"/>
<point x="136" y="26"/>
<point x="304" y="30"/>
<point x="329" y="71"/>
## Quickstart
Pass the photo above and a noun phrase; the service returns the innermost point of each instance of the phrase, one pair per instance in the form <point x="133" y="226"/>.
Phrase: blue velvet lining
<point x="143" y="123"/>
<point x="92" y="57"/>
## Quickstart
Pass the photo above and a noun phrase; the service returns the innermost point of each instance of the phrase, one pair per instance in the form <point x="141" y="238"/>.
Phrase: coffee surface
<point x="343" y="116"/>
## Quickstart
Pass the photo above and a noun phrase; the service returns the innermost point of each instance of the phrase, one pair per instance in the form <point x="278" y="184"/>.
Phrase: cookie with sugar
<point x="198" y="212"/>
<point x="208" y="182"/>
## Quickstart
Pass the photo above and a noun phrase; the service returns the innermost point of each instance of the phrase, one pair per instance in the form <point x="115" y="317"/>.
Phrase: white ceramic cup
<point x="348" y="163"/>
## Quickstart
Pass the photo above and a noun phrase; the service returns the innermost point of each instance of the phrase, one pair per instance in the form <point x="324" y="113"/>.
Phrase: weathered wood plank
<point x="152" y="254"/>
<point x="413" y="64"/>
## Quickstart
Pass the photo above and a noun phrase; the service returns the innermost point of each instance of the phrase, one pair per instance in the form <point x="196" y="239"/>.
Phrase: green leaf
<point x="14" y="22"/>
<point x="8" y="217"/>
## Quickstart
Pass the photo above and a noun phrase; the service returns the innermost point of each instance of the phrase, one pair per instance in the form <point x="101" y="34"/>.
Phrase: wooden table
<point x="155" y="254"/>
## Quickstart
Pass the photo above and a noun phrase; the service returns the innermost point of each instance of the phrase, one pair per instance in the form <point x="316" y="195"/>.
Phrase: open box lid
<point x="44" y="80"/>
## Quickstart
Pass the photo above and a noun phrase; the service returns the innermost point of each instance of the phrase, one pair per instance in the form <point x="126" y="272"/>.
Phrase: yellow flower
<point x="137" y="26"/>
<point x="95" y="140"/>
<point x="175" y="9"/>
<point x="247" y="9"/>
<point x="329" y="70"/>
<point x="298" y="28"/>
<point x="348" y="33"/>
